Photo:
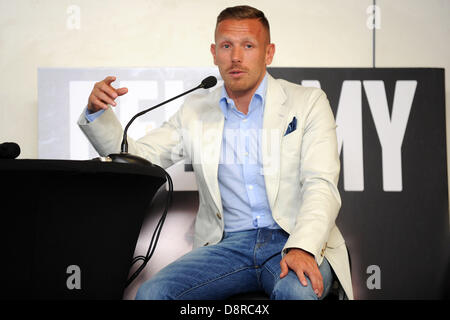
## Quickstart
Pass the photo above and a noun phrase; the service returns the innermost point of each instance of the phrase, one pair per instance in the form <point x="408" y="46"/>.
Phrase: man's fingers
<point x="320" y="287"/>
<point x="110" y="91"/>
<point x="317" y="282"/>
<point x="305" y="267"/>
<point x="104" y="98"/>
<point x="121" y="91"/>
<point x="109" y="79"/>
<point x="302" y="278"/>
<point x="103" y="93"/>
<point x="315" y="286"/>
<point x="100" y="105"/>
<point x="284" y="268"/>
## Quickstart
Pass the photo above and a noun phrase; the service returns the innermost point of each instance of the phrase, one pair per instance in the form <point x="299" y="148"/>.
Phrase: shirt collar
<point x="226" y="103"/>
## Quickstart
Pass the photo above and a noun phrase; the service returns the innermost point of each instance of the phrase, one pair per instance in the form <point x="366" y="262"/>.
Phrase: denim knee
<point x="291" y="289"/>
<point x="153" y="290"/>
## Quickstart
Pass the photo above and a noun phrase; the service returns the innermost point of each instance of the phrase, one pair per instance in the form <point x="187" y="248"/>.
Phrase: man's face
<point x="241" y="52"/>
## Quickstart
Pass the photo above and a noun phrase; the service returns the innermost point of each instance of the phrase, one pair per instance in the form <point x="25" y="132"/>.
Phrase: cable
<point x="155" y="237"/>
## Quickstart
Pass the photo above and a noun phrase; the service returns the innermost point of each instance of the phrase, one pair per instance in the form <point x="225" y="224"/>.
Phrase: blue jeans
<point x="242" y="262"/>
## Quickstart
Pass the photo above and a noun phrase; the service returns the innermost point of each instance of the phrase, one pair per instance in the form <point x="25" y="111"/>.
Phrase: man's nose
<point x="236" y="55"/>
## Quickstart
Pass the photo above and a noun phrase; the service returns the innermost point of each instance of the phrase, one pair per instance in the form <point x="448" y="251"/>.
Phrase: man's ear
<point x="270" y="52"/>
<point x="213" y="52"/>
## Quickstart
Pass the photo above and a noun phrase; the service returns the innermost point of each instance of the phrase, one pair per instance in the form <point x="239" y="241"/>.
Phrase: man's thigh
<point x="290" y="288"/>
<point x="212" y="272"/>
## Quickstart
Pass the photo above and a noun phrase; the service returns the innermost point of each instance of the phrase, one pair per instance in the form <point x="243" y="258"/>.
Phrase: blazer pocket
<point x="291" y="144"/>
<point x="291" y="135"/>
<point x="290" y="155"/>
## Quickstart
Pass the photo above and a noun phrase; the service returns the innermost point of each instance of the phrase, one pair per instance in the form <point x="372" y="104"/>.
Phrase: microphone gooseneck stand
<point x="125" y="157"/>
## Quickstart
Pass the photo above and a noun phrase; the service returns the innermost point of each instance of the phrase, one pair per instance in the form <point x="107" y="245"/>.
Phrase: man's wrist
<point x="91" y="116"/>
<point x="287" y="250"/>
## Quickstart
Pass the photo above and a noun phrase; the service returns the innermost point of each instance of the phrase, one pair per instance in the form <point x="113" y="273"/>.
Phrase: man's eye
<point x="226" y="46"/>
<point x="248" y="46"/>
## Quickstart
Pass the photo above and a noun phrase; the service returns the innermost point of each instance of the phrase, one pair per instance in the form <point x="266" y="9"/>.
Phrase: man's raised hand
<point x="103" y="94"/>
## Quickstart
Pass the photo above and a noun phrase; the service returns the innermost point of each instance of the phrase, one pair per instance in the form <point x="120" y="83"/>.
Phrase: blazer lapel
<point x="273" y="125"/>
<point x="211" y="146"/>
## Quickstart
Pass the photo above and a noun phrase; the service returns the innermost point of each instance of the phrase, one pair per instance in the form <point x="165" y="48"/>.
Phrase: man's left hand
<point x="303" y="264"/>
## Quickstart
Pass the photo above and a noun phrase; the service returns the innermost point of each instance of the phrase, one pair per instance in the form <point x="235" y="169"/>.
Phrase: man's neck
<point x="242" y="102"/>
<point x="242" y="99"/>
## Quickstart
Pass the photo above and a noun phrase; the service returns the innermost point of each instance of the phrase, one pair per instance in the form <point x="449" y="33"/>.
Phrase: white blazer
<point x="301" y="169"/>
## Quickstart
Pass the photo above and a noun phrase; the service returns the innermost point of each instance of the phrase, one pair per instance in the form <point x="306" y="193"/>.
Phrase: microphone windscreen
<point x="209" y="82"/>
<point x="9" y="150"/>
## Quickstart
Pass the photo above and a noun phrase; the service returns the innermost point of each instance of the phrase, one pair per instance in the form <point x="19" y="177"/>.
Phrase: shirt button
<point x="246" y="154"/>
<point x="250" y="187"/>
<point x="244" y="120"/>
<point x="219" y="216"/>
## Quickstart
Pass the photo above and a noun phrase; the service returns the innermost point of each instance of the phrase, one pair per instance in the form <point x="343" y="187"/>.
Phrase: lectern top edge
<point x="80" y="166"/>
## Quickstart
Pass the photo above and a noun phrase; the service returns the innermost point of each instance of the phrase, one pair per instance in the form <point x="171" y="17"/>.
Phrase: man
<point x="264" y="153"/>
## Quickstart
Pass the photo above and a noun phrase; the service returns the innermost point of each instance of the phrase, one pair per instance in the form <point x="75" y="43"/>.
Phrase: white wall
<point x="118" y="33"/>
<point x="319" y="33"/>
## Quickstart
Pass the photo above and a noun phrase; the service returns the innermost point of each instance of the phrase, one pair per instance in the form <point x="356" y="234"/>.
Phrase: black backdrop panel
<point x="398" y="240"/>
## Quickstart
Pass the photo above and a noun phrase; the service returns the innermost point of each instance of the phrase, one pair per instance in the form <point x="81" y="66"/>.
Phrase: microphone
<point x="9" y="150"/>
<point x="124" y="156"/>
<point x="208" y="82"/>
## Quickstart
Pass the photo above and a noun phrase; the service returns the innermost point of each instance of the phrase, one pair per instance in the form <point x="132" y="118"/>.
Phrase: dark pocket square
<point x="291" y="127"/>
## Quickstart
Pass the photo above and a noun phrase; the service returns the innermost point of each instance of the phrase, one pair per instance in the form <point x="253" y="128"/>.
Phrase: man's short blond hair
<point x="244" y="12"/>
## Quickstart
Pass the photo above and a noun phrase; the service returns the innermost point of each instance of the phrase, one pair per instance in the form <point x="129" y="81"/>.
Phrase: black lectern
<point x="69" y="228"/>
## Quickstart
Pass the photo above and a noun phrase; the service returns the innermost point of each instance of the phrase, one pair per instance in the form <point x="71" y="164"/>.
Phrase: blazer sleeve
<point x="319" y="174"/>
<point x="162" y="146"/>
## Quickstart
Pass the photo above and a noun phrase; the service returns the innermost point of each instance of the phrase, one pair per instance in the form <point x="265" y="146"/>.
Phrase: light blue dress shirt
<point x="241" y="182"/>
<point x="92" y="116"/>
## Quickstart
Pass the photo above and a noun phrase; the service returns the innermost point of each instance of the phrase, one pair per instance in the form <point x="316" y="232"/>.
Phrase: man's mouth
<point x="236" y="73"/>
